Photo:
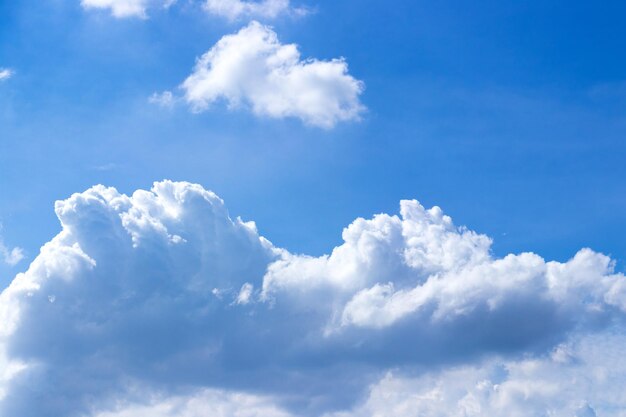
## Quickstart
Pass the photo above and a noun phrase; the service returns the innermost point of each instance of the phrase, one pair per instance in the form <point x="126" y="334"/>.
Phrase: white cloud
<point x="164" y="99"/>
<point x="161" y="303"/>
<point x="126" y="8"/>
<point x="5" y="73"/>
<point x="119" y="8"/>
<point x="419" y="268"/>
<point x="253" y="69"/>
<point x="10" y="256"/>
<point x="234" y="9"/>
<point x="245" y="294"/>
<point x="229" y="9"/>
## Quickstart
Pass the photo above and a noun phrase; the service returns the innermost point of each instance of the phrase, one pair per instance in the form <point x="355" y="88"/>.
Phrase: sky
<point x="231" y="208"/>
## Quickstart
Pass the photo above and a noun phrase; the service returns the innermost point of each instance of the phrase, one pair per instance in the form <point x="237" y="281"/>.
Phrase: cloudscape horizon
<point x="297" y="208"/>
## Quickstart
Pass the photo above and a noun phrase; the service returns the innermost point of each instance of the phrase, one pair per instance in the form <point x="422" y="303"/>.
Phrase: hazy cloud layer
<point x="161" y="303"/>
<point x="252" y="69"/>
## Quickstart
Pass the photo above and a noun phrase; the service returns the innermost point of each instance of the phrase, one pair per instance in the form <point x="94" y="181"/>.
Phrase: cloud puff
<point x="10" y="256"/>
<point x="119" y="8"/>
<point x="160" y="302"/>
<point x="234" y="9"/>
<point x="164" y="99"/>
<point x="5" y="73"/>
<point x="229" y="9"/>
<point x="126" y="8"/>
<point x="253" y="69"/>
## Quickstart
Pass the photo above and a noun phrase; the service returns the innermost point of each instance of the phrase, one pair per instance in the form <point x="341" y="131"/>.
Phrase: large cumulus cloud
<point x="161" y="301"/>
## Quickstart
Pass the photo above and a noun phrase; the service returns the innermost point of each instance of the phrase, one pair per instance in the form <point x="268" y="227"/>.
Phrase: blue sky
<point x="510" y="116"/>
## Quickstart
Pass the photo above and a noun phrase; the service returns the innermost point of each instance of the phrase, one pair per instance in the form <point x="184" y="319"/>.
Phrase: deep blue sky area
<point x="511" y="116"/>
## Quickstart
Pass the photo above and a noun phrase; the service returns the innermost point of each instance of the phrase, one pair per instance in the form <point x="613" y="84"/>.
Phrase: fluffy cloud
<point x="5" y="73"/>
<point x="160" y="303"/>
<point x="234" y="9"/>
<point x="253" y="69"/>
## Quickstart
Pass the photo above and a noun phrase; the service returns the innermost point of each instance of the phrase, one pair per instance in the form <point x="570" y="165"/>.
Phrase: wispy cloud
<point x="236" y="9"/>
<point x="126" y="8"/>
<point x="6" y="73"/>
<point x="164" y="99"/>
<point x="10" y="256"/>
<point x="229" y="9"/>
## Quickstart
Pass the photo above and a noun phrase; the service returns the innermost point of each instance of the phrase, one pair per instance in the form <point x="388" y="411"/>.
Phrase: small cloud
<point x="120" y="8"/>
<point x="10" y="256"/>
<point x="235" y="9"/>
<point x="252" y="69"/>
<point x="6" y="73"/>
<point x="164" y="99"/>
<point x="109" y="166"/>
<point x="229" y="9"/>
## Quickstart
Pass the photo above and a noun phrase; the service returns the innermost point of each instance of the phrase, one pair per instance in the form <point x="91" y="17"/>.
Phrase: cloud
<point x="164" y="99"/>
<point x="126" y="8"/>
<point x="229" y="9"/>
<point x="10" y="256"/>
<point x="582" y="378"/>
<point x="213" y="403"/>
<point x="161" y="303"/>
<point x="253" y="69"/>
<point x="235" y="9"/>
<point x="5" y="73"/>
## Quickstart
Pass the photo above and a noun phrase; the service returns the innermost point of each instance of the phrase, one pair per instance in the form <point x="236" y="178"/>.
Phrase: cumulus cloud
<point x="161" y="303"/>
<point x="253" y="69"/>
<point x="5" y="73"/>
<point x="234" y="9"/>
<point x="582" y="378"/>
